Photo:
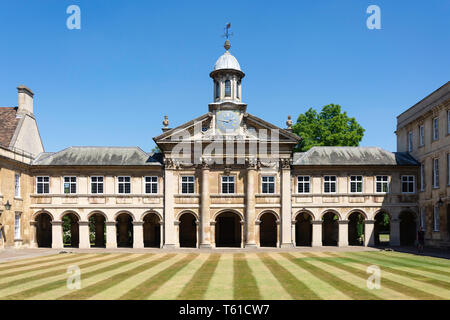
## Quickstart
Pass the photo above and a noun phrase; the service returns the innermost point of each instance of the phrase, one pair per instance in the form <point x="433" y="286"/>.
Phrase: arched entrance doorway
<point x="407" y="228"/>
<point x="44" y="230"/>
<point x="228" y="230"/>
<point x="268" y="230"/>
<point x="356" y="229"/>
<point x="124" y="227"/>
<point x="152" y="230"/>
<point x="303" y="229"/>
<point x="70" y="230"/>
<point x="188" y="230"/>
<point x="97" y="230"/>
<point x="330" y="229"/>
<point x="382" y="229"/>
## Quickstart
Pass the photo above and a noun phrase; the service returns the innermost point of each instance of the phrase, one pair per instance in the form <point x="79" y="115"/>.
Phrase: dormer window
<point x="227" y="88"/>
<point x="217" y="90"/>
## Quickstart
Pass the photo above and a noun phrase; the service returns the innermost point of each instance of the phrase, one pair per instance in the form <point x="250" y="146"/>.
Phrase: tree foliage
<point x="330" y="127"/>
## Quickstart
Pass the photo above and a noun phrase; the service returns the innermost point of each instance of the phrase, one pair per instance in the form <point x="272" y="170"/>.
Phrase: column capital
<point x="212" y="223"/>
<point x="369" y="221"/>
<point x="56" y="223"/>
<point x="110" y="223"/>
<point x="257" y="222"/>
<point x="316" y="222"/>
<point x="83" y="223"/>
<point x="176" y="223"/>
<point x="342" y="221"/>
<point x="138" y="223"/>
<point x="33" y="223"/>
<point x="285" y="163"/>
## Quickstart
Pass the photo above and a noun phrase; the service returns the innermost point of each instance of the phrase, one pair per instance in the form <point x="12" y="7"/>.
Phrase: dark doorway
<point x="228" y="230"/>
<point x="152" y="230"/>
<point x="70" y="230"/>
<point x="407" y="228"/>
<point x="268" y="230"/>
<point x="124" y="228"/>
<point x="382" y="229"/>
<point x="44" y="230"/>
<point x="303" y="229"/>
<point x="330" y="229"/>
<point x="448" y="221"/>
<point x="97" y="230"/>
<point x="188" y="231"/>
<point x="356" y="229"/>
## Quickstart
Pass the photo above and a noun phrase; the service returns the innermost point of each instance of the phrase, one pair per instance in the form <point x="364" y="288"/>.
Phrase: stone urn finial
<point x="165" y="123"/>
<point x="289" y="123"/>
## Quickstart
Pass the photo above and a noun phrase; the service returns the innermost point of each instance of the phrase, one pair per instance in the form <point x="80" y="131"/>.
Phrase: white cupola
<point x="227" y="76"/>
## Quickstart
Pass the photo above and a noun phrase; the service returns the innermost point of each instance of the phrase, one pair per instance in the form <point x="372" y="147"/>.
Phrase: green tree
<point x="330" y="127"/>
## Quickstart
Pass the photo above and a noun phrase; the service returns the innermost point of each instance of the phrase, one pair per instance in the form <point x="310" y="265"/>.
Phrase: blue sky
<point x="132" y="62"/>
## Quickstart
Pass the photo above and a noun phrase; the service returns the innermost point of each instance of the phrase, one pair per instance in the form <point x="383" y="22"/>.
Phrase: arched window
<point x="217" y="90"/>
<point x="227" y="88"/>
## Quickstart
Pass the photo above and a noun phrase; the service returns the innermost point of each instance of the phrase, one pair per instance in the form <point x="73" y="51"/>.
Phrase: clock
<point x="227" y="121"/>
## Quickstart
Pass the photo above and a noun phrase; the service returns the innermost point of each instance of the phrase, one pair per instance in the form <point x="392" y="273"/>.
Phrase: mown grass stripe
<point x="341" y="262"/>
<point x="196" y="288"/>
<point x="95" y="288"/>
<point x="402" y="262"/>
<point x="149" y="286"/>
<point x="430" y="261"/>
<point x="32" y="261"/>
<point x="402" y="272"/>
<point x="341" y="285"/>
<point x="296" y="288"/>
<point x="244" y="283"/>
<point x="221" y="285"/>
<point x="44" y="267"/>
<point x="39" y="276"/>
<point x="62" y="282"/>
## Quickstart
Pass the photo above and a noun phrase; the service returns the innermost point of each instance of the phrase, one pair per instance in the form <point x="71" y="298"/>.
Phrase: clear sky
<point x="132" y="62"/>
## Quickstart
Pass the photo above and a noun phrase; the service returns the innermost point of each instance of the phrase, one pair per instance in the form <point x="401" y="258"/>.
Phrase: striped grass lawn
<point x="249" y="275"/>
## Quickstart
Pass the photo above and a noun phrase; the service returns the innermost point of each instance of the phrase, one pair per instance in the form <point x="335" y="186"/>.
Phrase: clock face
<point x="227" y="121"/>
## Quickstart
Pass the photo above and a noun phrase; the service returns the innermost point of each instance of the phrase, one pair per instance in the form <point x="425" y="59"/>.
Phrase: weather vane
<point x="227" y="33"/>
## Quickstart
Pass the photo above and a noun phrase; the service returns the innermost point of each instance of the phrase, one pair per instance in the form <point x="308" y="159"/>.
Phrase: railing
<point x="17" y="154"/>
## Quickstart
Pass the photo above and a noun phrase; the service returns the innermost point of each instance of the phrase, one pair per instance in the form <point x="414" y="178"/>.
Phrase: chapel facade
<point x="224" y="179"/>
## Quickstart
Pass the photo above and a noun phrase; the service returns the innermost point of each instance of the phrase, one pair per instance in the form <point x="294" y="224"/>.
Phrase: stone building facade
<point x="424" y="131"/>
<point x="224" y="179"/>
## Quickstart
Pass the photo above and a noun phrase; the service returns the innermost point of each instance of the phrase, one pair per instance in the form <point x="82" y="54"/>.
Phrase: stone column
<point x="205" y="228"/>
<point x="242" y="235"/>
<point x="369" y="235"/>
<point x="57" y="235"/>
<point x="258" y="233"/>
<point x="316" y="233"/>
<point x="286" y="204"/>
<point x="138" y="234"/>
<point x="343" y="233"/>
<point x="84" y="235"/>
<point x="213" y="233"/>
<point x="294" y="239"/>
<point x="111" y="236"/>
<point x="394" y="237"/>
<point x="197" y="232"/>
<point x="33" y="240"/>
<point x="169" y="201"/>
<point x="250" y="208"/>
<point x="161" y="234"/>
<point x="176" y="225"/>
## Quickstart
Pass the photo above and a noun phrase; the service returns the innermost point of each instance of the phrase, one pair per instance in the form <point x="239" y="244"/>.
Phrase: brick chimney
<point x="25" y="99"/>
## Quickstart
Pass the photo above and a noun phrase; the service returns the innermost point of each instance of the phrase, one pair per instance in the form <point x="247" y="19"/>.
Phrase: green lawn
<point x="290" y="275"/>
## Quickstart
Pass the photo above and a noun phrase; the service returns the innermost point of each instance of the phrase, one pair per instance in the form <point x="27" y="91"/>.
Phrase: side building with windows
<point x="424" y="131"/>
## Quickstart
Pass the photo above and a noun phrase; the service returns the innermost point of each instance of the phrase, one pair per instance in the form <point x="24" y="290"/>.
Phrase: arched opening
<point x="217" y="90"/>
<point x="188" y="231"/>
<point x="124" y="227"/>
<point x="227" y="88"/>
<point x="407" y="228"/>
<point x="382" y="229"/>
<point x="330" y="229"/>
<point x="152" y="230"/>
<point x="97" y="230"/>
<point x="303" y="229"/>
<point x="70" y="230"/>
<point x="268" y="230"/>
<point x="44" y="230"/>
<point x="228" y="230"/>
<point x="356" y="229"/>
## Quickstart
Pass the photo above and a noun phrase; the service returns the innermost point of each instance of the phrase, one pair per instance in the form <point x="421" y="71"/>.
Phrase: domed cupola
<point x="227" y="76"/>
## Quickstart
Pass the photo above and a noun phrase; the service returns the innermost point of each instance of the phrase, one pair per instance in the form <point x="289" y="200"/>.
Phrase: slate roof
<point x="363" y="156"/>
<point x="8" y="125"/>
<point x="98" y="156"/>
